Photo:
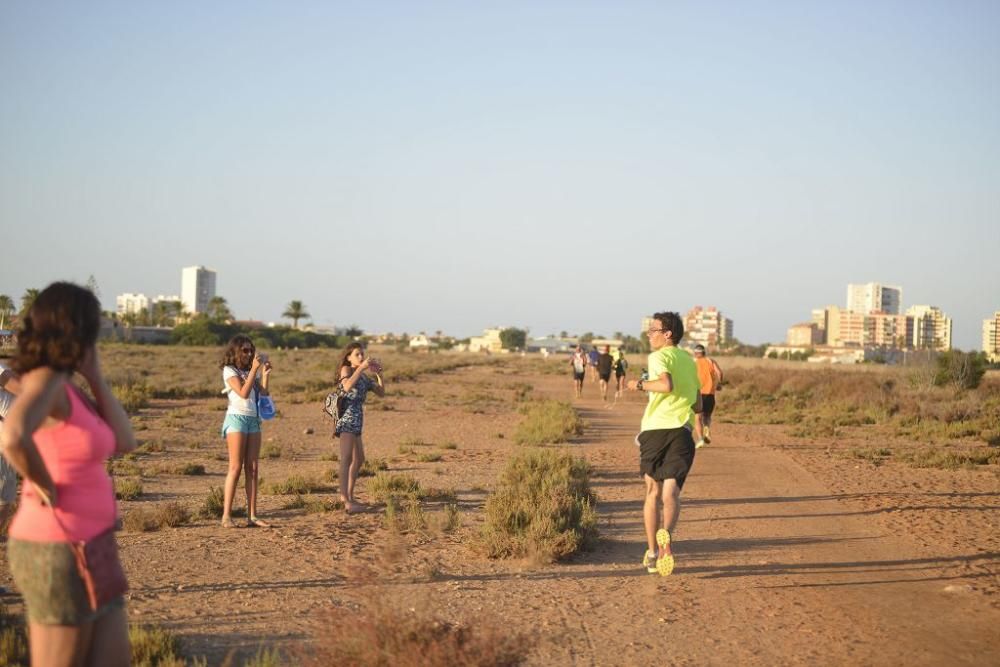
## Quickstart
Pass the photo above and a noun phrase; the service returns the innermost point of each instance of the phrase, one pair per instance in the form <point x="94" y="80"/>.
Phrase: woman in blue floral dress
<point x="356" y="384"/>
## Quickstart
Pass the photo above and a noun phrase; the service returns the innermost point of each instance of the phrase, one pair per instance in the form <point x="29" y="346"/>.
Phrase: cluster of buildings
<point x="704" y="326"/>
<point x="197" y="291"/>
<point x="872" y="326"/>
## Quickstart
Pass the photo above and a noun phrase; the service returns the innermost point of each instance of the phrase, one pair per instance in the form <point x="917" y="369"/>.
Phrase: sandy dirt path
<point x="774" y="564"/>
<point x="771" y="568"/>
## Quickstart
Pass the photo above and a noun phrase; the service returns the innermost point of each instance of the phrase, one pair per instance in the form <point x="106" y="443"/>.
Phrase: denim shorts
<point x="54" y="594"/>
<point x="240" y="424"/>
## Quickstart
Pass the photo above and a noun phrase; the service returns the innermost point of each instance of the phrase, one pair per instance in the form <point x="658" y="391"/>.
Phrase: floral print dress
<point x="352" y="417"/>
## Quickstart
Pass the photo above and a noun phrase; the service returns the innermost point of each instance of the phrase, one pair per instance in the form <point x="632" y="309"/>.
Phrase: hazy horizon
<point x="550" y="166"/>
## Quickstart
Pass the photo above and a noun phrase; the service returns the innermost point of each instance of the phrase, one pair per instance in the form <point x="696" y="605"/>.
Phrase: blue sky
<point x="423" y="166"/>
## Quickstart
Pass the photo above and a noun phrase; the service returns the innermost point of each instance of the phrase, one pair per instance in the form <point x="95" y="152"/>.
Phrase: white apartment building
<point x="874" y="297"/>
<point x="488" y="342"/>
<point x="991" y="337"/>
<point x="931" y="328"/>
<point x="197" y="288"/>
<point x="131" y="303"/>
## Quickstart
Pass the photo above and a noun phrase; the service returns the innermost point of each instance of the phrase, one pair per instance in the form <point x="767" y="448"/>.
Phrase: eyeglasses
<point x="246" y="349"/>
<point x="653" y="331"/>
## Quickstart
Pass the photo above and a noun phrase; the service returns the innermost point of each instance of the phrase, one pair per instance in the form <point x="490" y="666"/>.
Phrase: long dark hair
<point x="355" y="345"/>
<point x="60" y="327"/>
<point x="234" y="353"/>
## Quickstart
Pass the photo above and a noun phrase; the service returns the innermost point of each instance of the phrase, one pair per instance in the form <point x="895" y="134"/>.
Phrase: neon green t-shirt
<point x="675" y="409"/>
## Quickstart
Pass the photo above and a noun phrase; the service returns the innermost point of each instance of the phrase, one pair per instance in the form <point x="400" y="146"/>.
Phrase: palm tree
<point x="6" y="309"/>
<point x="295" y="311"/>
<point x="28" y="300"/>
<point x="218" y="309"/>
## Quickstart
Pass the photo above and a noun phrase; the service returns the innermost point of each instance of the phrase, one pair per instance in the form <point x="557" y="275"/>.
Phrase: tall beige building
<point x="874" y="297"/>
<point x="991" y="337"/>
<point x="885" y="330"/>
<point x="804" y="334"/>
<point x="707" y="326"/>
<point x="845" y="327"/>
<point x="930" y="329"/>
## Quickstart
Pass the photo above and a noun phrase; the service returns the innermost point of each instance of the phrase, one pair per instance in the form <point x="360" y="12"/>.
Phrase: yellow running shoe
<point x="665" y="562"/>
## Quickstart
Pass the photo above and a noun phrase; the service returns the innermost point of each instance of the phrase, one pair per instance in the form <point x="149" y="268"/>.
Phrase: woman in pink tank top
<point x="58" y="440"/>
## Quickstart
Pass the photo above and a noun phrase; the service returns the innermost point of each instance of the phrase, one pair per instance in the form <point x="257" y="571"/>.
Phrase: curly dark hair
<point x="60" y="327"/>
<point x="234" y="355"/>
<point x="672" y="322"/>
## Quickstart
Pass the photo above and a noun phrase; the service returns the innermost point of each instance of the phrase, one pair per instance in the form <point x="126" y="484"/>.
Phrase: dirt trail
<point x="771" y="567"/>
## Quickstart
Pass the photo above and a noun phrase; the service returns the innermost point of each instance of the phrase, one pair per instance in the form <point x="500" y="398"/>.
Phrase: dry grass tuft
<point x="548" y="422"/>
<point x="296" y="485"/>
<point x="127" y="488"/>
<point x="541" y="508"/>
<point x="410" y="639"/>
<point x="384" y="486"/>
<point x="144" y="519"/>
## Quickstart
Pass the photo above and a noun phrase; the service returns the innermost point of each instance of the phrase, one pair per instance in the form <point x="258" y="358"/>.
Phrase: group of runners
<point x="677" y="421"/>
<point x="601" y="364"/>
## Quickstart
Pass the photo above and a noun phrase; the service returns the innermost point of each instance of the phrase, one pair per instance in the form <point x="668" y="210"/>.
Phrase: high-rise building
<point x="874" y="297"/>
<point x="845" y="327"/>
<point x="991" y="337"/>
<point x="885" y="330"/>
<point x="128" y="303"/>
<point x="707" y="326"/>
<point x="197" y="288"/>
<point x="930" y="328"/>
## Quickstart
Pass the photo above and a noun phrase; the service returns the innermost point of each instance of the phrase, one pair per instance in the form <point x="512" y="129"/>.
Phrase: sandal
<point x="254" y="522"/>
<point x="228" y="523"/>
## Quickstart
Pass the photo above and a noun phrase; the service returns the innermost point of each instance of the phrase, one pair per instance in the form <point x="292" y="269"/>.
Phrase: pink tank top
<point x="74" y="453"/>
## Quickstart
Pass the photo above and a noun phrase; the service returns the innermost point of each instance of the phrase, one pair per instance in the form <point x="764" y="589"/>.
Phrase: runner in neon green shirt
<point x="666" y="448"/>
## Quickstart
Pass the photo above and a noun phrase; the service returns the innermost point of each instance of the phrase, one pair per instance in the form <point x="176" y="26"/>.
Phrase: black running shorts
<point x="707" y="405"/>
<point x="666" y="454"/>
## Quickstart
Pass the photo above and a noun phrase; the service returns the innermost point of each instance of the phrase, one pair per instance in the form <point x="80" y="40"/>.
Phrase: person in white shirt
<point x="245" y="374"/>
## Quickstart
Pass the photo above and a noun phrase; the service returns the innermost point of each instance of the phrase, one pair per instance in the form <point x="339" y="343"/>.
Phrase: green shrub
<point x="132" y="394"/>
<point x="542" y="507"/>
<point x="963" y="370"/>
<point x="154" y="647"/>
<point x="191" y="469"/>
<point x="296" y="485"/>
<point x="127" y="488"/>
<point x="384" y="486"/>
<point x="548" y="422"/>
<point x="372" y="466"/>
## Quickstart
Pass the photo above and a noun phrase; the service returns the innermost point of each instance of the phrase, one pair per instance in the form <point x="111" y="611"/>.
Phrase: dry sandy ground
<point x="785" y="554"/>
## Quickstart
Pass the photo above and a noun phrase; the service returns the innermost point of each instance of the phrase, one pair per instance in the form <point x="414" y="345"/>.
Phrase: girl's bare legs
<point x="359" y="460"/>
<point x="250" y="465"/>
<point x="109" y="643"/>
<point x="236" y="442"/>
<point x="348" y="472"/>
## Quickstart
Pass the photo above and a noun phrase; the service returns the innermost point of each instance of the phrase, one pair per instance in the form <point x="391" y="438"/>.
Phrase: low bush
<point x="548" y="422"/>
<point x="145" y="519"/>
<point x="157" y="647"/>
<point x="127" y="488"/>
<point x="429" y="458"/>
<point x="403" y="515"/>
<point x="542" y="507"/>
<point x="296" y="485"/>
<point x="132" y="394"/>
<point x="313" y="505"/>
<point x="935" y="457"/>
<point x="410" y="639"/>
<point x="384" y="486"/>
<point x="271" y="451"/>
<point x="191" y="469"/>
<point x="371" y="467"/>
<point x="212" y="506"/>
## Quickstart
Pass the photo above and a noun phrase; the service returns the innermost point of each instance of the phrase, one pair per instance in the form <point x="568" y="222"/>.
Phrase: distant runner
<point x="621" y="368"/>
<point x="592" y="356"/>
<point x="710" y="378"/>
<point x="666" y="449"/>
<point x="579" y="363"/>
<point x="604" y="365"/>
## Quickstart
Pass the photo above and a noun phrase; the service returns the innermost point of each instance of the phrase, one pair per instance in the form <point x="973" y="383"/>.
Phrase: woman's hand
<point x="364" y="365"/>
<point x="266" y="370"/>
<point x="255" y="364"/>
